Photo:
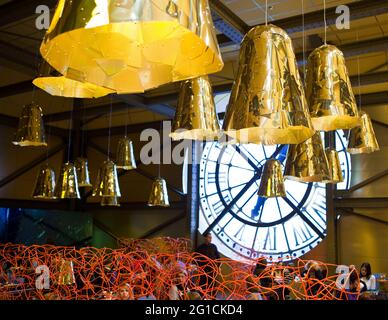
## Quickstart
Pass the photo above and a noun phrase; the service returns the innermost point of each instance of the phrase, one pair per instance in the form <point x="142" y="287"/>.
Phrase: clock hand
<point x="233" y="202"/>
<point x="304" y="218"/>
<point x="246" y="157"/>
<point x="258" y="209"/>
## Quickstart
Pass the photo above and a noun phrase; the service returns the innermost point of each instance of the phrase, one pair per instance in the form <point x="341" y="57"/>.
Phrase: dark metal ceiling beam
<point x="361" y="202"/>
<point x="15" y="88"/>
<point x="163" y="225"/>
<point x="364" y="216"/>
<point x="133" y="128"/>
<point x="137" y="100"/>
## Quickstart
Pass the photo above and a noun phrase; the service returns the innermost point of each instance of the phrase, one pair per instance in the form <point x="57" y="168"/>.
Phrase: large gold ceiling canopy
<point x="131" y="46"/>
<point x="329" y="91"/>
<point x="267" y="103"/>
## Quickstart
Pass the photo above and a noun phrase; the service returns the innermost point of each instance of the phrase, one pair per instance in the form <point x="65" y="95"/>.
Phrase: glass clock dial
<point x="246" y="226"/>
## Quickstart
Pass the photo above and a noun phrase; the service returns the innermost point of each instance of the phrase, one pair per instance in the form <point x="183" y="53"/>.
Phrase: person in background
<point x="367" y="277"/>
<point x="178" y="290"/>
<point x="209" y="250"/>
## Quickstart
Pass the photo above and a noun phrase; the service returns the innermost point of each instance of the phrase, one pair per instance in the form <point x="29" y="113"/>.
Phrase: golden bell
<point x="58" y="85"/>
<point x="132" y="46"/>
<point x="82" y="166"/>
<point x="45" y="183"/>
<point x="329" y="92"/>
<point x="125" y="157"/>
<point x="110" y="202"/>
<point x="31" y="128"/>
<point x="362" y="139"/>
<point x="66" y="273"/>
<point x="159" y="194"/>
<point x="307" y="162"/>
<point x="196" y="116"/>
<point x="267" y="103"/>
<point x="107" y="183"/>
<point x="334" y="166"/>
<point x="67" y="185"/>
<point x="272" y="182"/>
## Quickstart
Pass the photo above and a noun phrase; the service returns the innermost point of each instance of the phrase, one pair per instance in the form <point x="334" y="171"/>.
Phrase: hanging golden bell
<point x="125" y="157"/>
<point x="45" y="183"/>
<point x="132" y="46"/>
<point x="196" y="116"/>
<point x="66" y="273"/>
<point x="267" y="103"/>
<point x="362" y="139"/>
<point x="307" y="162"/>
<point x="82" y="166"/>
<point x="272" y="182"/>
<point x="329" y="92"/>
<point x="58" y="85"/>
<point x="107" y="183"/>
<point x="31" y="128"/>
<point x="334" y="166"/>
<point x="67" y="185"/>
<point x="159" y="194"/>
<point x="110" y="202"/>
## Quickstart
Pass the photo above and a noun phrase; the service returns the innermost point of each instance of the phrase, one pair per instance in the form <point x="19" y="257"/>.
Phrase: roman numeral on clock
<point x="270" y="239"/>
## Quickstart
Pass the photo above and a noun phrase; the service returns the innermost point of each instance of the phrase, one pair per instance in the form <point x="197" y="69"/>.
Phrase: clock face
<point x="245" y="226"/>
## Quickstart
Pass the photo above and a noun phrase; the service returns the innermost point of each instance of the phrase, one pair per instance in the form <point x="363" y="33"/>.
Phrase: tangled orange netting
<point x="149" y="269"/>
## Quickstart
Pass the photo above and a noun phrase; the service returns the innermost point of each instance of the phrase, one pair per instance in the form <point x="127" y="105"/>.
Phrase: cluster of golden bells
<point x="112" y="46"/>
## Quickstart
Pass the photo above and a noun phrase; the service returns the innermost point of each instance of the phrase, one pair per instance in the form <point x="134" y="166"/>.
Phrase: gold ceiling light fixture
<point x="159" y="194"/>
<point x="132" y="46"/>
<point x="57" y="85"/>
<point x="272" y="181"/>
<point x="67" y="184"/>
<point x="334" y="166"/>
<point x="107" y="182"/>
<point x="328" y="89"/>
<point x="125" y="156"/>
<point x="307" y="162"/>
<point x="196" y="117"/>
<point x="30" y="132"/>
<point x="362" y="139"/>
<point x="110" y="202"/>
<point x="82" y="166"/>
<point x="267" y="103"/>
<point x="45" y="184"/>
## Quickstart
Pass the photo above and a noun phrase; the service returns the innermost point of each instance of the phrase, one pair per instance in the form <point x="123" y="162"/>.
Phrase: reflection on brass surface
<point x="67" y="185"/>
<point x="362" y="139"/>
<point x="110" y="202"/>
<point x="272" y="182"/>
<point x="329" y="92"/>
<point x="132" y="46"/>
<point x="159" y="194"/>
<point x="82" y="167"/>
<point x="195" y="116"/>
<point x="31" y="128"/>
<point x="334" y="166"/>
<point x="307" y="162"/>
<point x="125" y="157"/>
<point x="267" y="103"/>
<point x="45" y="183"/>
<point x="107" y="182"/>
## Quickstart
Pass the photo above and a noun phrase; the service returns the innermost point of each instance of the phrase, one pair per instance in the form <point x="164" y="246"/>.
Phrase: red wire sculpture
<point x="153" y="268"/>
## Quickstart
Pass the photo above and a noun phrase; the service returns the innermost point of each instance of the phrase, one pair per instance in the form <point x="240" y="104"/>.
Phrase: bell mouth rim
<point x="59" y="86"/>
<point x="279" y="196"/>
<point x="45" y="197"/>
<point x="308" y="179"/>
<point x="361" y="150"/>
<point x="85" y="185"/>
<point x="158" y="205"/>
<point x="126" y="168"/>
<point x="26" y="143"/>
<point x="196" y="134"/>
<point x="264" y="136"/>
<point x="208" y="61"/>
<point x="335" y="122"/>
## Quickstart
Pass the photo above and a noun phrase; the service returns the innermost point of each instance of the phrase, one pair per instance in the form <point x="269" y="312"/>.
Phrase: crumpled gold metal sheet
<point x="132" y="46"/>
<point x="125" y="156"/>
<point x="272" y="181"/>
<point x="82" y="166"/>
<point x="329" y="92"/>
<point x="307" y="162"/>
<point x="107" y="182"/>
<point x="362" y="139"/>
<point x="334" y="166"/>
<point x="267" y="103"/>
<point x="31" y="128"/>
<point x="195" y="116"/>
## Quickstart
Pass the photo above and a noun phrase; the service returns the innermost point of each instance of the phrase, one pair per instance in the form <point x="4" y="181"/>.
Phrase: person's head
<point x="366" y="270"/>
<point x="180" y="277"/>
<point x="261" y="265"/>
<point x="125" y="292"/>
<point x="208" y="237"/>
